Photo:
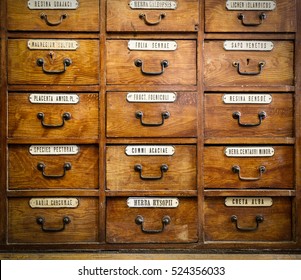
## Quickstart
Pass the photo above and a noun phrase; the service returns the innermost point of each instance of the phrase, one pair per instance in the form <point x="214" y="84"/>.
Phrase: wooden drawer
<point x="249" y="115"/>
<point x="249" y="167"/>
<point x="151" y="16"/>
<point x="245" y="223"/>
<point x="151" y="167"/>
<point x="151" y="67"/>
<point x="248" y="68"/>
<point x="151" y="114"/>
<point x="53" y="115"/>
<point x="53" y="166"/>
<point x="69" y="66"/>
<point x="72" y="15"/>
<point x="151" y="225"/>
<point x="31" y="222"/>
<point x="245" y="16"/>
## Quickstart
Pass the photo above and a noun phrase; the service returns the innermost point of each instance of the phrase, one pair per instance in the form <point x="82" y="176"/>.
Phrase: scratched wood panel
<point x="275" y="226"/>
<point x="121" y="174"/>
<point x="219" y="173"/>
<point x="84" y="18"/>
<point x="23" y="226"/>
<point x="278" y="66"/>
<point x="122" y="228"/>
<point x="219" y="19"/>
<point x="24" y="69"/>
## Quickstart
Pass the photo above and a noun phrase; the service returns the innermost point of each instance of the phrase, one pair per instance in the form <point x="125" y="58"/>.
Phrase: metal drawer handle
<point x="65" y="117"/>
<point x="41" y="221"/>
<point x="236" y="169"/>
<point x="163" y="168"/>
<point x="164" y="115"/>
<point x="261" y="116"/>
<point x="140" y="220"/>
<point x="144" y="17"/>
<point x="67" y="62"/>
<point x="261" y="16"/>
<point x="139" y="63"/>
<point x="258" y="219"/>
<point x="41" y="167"/>
<point x="261" y="64"/>
<point x="45" y="18"/>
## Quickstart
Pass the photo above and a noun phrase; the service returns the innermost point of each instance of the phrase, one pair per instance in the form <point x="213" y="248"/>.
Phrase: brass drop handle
<point x="236" y="169"/>
<point x="146" y="21"/>
<point x="261" y="64"/>
<point x="66" y="62"/>
<point x="138" y="168"/>
<point x="44" y="17"/>
<point x="261" y="116"/>
<point x="41" y="167"/>
<point x="261" y="16"/>
<point x="164" y="116"/>
<point x="140" y="220"/>
<point x="41" y="221"/>
<point x="65" y="117"/>
<point x="258" y="219"/>
<point x="139" y="63"/>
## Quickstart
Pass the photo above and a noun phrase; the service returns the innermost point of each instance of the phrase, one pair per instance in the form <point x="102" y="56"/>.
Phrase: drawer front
<point x="146" y="171"/>
<point x="237" y="16"/>
<point x="53" y="166"/>
<point x="248" y="68"/>
<point x="151" y="225"/>
<point x="53" y="66"/>
<point x="230" y="223"/>
<point x="151" y="67"/>
<point x="129" y="115"/>
<point x="75" y="15"/>
<point x="248" y="115"/>
<point x="249" y="167"/>
<point x="152" y="16"/>
<point x="53" y="115"/>
<point x="43" y="224"/>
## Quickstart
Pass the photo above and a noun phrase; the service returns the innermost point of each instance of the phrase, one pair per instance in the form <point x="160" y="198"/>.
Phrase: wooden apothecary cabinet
<point x="163" y="124"/>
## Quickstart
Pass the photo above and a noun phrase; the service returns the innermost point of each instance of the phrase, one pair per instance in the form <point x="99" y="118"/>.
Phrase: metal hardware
<point x="144" y="17"/>
<point x="164" y="115"/>
<point x="140" y="220"/>
<point x="65" y="117"/>
<point x="259" y="219"/>
<point x="236" y="169"/>
<point x="41" y="221"/>
<point x="44" y="17"/>
<point x="41" y="167"/>
<point x="261" y="17"/>
<point x="138" y="168"/>
<point x="139" y="63"/>
<point x="67" y="62"/>
<point x="261" y="116"/>
<point x="261" y="64"/>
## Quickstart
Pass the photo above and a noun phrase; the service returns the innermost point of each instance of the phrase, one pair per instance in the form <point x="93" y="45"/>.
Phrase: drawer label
<point x="42" y="98"/>
<point x="150" y="45"/>
<point x="53" y="202"/>
<point x="247" y="98"/>
<point x="152" y="202"/>
<point x="69" y="45"/>
<point x="233" y="5"/>
<point x="248" y="45"/>
<point x="248" y="201"/>
<point x="249" y="151"/>
<point x="149" y="150"/>
<point x="52" y="4"/>
<point x="154" y="4"/>
<point x="151" y="97"/>
<point x="53" y="149"/>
